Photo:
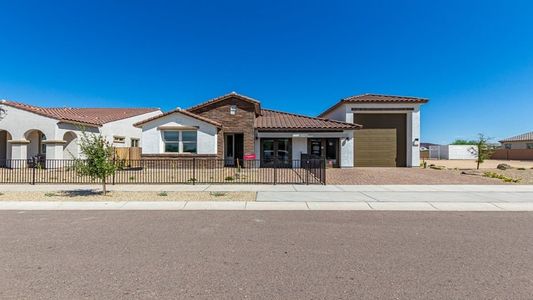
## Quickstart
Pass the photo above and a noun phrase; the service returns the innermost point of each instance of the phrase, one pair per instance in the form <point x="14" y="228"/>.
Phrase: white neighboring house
<point x="390" y="135"/>
<point x="28" y="131"/>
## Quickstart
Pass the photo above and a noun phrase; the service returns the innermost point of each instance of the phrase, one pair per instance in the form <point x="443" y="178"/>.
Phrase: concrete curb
<point x="257" y="206"/>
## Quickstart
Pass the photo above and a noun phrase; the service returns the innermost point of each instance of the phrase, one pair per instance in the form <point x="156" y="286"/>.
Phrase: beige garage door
<point x="375" y="148"/>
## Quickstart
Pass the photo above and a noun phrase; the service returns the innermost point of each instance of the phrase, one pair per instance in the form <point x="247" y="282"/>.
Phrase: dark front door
<point x="276" y="152"/>
<point x="233" y="148"/>
<point x="327" y="149"/>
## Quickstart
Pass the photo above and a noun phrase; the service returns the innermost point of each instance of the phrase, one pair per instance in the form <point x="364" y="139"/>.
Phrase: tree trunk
<point x="104" y="186"/>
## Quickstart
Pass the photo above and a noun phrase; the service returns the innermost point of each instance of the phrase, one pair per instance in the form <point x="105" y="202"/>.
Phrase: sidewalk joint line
<point x="431" y="204"/>
<point x="364" y="193"/>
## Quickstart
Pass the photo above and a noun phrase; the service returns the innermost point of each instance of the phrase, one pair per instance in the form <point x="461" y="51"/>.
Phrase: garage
<point x="383" y="140"/>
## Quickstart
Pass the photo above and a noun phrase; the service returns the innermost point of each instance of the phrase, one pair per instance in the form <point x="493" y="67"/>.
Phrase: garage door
<point x="375" y="148"/>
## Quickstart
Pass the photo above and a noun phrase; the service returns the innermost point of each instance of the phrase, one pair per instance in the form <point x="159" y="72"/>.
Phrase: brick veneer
<point x="241" y="122"/>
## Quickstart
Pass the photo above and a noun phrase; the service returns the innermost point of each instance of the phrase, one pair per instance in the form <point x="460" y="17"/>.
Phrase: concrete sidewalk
<point x="303" y="197"/>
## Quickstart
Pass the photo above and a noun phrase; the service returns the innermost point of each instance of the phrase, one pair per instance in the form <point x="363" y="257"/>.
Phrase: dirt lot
<point x="420" y="176"/>
<point x="128" y="196"/>
<point x="488" y="164"/>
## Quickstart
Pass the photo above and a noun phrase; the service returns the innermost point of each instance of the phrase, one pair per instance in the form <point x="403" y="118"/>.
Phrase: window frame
<point x="180" y="141"/>
<point x="529" y="145"/>
<point x="137" y="142"/>
<point x="117" y="139"/>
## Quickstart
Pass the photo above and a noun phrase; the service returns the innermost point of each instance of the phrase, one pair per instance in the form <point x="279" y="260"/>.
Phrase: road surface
<point x="269" y="254"/>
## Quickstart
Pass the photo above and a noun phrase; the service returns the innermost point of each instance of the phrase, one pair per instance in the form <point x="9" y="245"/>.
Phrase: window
<point x="233" y="109"/>
<point x="119" y="139"/>
<point x="134" y="142"/>
<point x="507" y="146"/>
<point x="180" y="141"/>
<point x="529" y="145"/>
<point x="42" y="145"/>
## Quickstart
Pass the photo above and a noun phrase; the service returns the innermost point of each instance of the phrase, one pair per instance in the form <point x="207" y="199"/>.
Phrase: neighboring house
<point x="391" y="128"/>
<point x="233" y="126"/>
<point x="523" y="141"/>
<point x="28" y="131"/>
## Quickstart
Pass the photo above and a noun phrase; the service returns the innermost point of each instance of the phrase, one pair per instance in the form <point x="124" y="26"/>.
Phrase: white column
<point x="18" y="150"/>
<point x="347" y="146"/>
<point x="413" y="143"/>
<point x="54" y="153"/>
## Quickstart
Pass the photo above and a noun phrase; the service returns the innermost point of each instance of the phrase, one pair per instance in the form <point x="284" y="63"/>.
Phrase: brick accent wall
<point x="241" y="122"/>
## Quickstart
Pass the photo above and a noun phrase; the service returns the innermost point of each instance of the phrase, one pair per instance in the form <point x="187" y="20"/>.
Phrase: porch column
<point x="54" y="153"/>
<point x="347" y="148"/>
<point x="18" y="149"/>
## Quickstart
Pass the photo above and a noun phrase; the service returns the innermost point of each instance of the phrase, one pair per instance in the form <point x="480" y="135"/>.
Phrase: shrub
<point x="217" y="194"/>
<point x="229" y="178"/>
<point x="162" y="194"/>
<point x="500" y="176"/>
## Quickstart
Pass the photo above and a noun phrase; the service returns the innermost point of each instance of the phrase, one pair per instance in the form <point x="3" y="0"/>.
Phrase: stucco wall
<point x="518" y="145"/>
<point x="152" y="138"/>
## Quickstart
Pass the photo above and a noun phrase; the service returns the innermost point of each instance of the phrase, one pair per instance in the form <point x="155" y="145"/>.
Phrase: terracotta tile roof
<point x="86" y="116"/>
<point x="519" y="138"/>
<point x="282" y="121"/>
<point x="375" y="98"/>
<point x="224" y="97"/>
<point x="181" y="111"/>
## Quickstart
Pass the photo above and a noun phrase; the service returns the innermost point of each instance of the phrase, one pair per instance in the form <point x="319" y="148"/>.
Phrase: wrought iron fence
<point x="169" y="171"/>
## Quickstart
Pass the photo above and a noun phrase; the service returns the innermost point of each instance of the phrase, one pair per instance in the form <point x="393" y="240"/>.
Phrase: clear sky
<point x="473" y="59"/>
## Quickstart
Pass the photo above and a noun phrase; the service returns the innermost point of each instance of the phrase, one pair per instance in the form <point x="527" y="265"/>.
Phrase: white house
<point x="28" y="131"/>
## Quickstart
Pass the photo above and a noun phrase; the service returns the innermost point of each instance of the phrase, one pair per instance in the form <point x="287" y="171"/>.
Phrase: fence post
<point x="115" y="166"/>
<point x="33" y="170"/>
<point x="275" y="169"/>
<point x="324" y="171"/>
<point x="193" y="170"/>
<point x="307" y="170"/>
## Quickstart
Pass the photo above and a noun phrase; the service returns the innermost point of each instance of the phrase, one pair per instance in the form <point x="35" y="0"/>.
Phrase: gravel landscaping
<point x="88" y="195"/>
<point x="418" y="176"/>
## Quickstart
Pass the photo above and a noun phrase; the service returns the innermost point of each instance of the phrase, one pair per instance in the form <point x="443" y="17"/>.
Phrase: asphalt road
<point x="273" y="254"/>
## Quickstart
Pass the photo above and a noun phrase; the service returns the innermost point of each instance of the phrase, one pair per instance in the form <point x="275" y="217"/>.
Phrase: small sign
<point x="249" y="156"/>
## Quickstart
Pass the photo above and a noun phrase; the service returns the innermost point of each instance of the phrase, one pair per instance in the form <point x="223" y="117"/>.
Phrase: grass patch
<point x="162" y="194"/>
<point x="229" y="178"/>
<point x="500" y="176"/>
<point x="217" y="194"/>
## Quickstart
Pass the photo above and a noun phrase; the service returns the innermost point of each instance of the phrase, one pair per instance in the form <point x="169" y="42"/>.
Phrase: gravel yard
<point x="127" y="196"/>
<point x="419" y="176"/>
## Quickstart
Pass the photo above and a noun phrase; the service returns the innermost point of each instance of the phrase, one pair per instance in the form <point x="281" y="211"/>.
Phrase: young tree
<point x="482" y="150"/>
<point x="98" y="158"/>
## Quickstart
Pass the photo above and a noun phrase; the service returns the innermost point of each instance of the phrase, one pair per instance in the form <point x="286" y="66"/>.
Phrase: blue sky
<point x="473" y="59"/>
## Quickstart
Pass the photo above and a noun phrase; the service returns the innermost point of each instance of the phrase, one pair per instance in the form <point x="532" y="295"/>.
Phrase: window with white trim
<point x="529" y="145"/>
<point x="119" y="139"/>
<point x="180" y="141"/>
<point x="134" y="142"/>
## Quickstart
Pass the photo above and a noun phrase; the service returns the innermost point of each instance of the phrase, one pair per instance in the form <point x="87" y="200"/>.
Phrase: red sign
<point x="249" y="156"/>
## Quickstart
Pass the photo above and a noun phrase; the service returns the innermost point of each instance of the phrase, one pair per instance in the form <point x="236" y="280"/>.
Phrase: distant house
<point x="28" y="131"/>
<point x="522" y="141"/>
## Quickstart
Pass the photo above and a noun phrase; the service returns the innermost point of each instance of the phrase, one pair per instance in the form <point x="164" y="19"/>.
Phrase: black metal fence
<point x="169" y="171"/>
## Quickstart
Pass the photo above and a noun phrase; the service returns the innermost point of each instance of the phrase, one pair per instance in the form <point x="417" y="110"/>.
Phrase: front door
<point x="233" y="149"/>
<point x="327" y="149"/>
<point x="276" y="152"/>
